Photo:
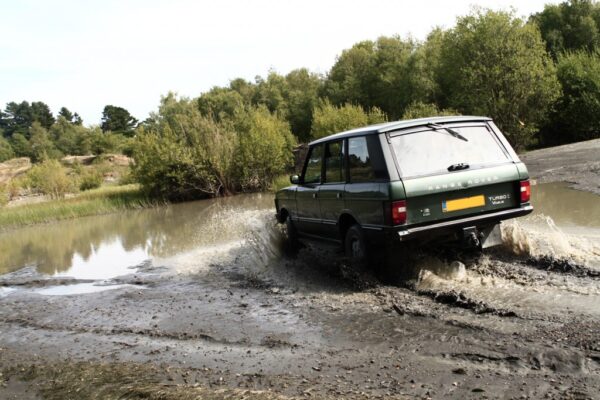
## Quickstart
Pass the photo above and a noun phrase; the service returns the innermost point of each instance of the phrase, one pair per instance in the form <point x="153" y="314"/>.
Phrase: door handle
<point x="338" y="195"/>
<point x="314" y="195"/>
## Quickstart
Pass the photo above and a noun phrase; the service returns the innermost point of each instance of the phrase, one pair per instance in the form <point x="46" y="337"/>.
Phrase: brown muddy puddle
<point x="193" y="237"/>
<point x="100" y="248"/>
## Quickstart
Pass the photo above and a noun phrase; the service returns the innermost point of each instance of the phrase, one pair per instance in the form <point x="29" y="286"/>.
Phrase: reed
<point x="104" y="200"/>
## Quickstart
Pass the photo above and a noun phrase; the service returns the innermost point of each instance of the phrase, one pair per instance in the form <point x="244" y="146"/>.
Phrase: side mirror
<point x="295" y="179"/>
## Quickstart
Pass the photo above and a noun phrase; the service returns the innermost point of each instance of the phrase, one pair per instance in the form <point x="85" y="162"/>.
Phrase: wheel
<point x="355" y="247"/>
<point x="291" y="244"/>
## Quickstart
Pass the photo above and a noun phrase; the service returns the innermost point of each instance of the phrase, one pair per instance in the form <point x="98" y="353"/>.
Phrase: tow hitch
<point x="483" y="238"/>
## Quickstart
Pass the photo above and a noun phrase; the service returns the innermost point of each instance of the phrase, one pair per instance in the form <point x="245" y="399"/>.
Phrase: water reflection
<point x="100" y="247"/>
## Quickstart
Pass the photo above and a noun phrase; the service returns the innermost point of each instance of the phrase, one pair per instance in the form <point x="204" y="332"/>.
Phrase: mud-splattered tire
<point x="355" y="247"/>
<point x="291" y="244"/>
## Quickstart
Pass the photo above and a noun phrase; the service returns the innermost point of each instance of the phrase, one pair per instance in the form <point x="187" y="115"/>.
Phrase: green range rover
<point x="421" y="181"/>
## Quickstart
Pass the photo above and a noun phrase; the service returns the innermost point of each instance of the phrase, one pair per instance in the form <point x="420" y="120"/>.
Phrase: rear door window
<point x="359" y="162"/>
<point x="430" y="151"/>
<point x="312" y="172"/>
<point x="334" y="162"/>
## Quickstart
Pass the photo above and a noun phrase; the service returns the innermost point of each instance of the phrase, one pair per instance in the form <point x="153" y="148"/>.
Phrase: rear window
<point x="434" y="151"/>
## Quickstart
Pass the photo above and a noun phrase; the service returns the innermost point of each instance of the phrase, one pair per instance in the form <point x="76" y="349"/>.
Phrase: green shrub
<point x="50" y="178"/>
<point x="424" y="110"/>
<point x="181" y="154"/>
<point x="6" y="150"/>
<point x="90" y="179"/>
<point x="329" y="119"/>
<point x="264" y="148"/>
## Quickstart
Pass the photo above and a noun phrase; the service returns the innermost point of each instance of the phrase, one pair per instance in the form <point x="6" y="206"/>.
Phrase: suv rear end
<point x="457" y="179"/>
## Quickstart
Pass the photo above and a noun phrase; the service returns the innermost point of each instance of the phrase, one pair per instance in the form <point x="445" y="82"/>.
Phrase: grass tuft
<point x="104" y="200"/>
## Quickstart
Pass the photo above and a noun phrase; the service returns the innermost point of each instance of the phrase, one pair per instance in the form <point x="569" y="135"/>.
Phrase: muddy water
<point x="192" y="237"/>
<point x="103" y="247"/>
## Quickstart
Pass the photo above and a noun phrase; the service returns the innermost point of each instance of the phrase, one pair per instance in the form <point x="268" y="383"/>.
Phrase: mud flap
<point x="491" y="236"/>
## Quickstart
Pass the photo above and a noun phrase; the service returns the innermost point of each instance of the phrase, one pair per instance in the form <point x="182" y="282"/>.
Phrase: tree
<point x="568" y="26"/>
<point x="301" y="98"/>
<point x="42" y="147"/>
<point x="264" y="148"/>
<point x="329" y="119"/>
<point x="494" y="64"/>
<point x="42" y="114"/>
<point x="66" y="114"/>
<point x="17" y="118"/>
<point x="424" y="110"/>
<point x="20" y="145"/>
<point x="576" y="114"/>
<point x="6" y="150"/>
<point x="389" y="73"/>
<point x="118" y="120"/>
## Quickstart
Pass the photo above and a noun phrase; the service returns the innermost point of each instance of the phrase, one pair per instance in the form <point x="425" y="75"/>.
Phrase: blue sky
<point x="86" y="54"/>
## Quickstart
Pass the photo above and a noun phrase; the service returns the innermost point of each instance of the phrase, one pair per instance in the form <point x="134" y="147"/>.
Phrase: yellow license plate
<point x="464" y="203"/>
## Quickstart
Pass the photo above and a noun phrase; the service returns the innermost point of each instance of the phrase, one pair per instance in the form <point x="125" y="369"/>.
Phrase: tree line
<point x="31" y="130"/>
<point x="538" y="78"/>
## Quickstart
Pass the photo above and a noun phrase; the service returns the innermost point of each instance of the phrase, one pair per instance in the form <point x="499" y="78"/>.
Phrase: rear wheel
<point x="355" y="247"/>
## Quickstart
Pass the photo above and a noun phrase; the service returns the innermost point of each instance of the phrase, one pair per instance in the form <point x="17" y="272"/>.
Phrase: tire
<point x="291" y="244"/>
<point x="355" y="247"/>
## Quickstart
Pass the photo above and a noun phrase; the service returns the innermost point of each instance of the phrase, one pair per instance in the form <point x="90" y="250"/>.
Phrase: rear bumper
<point x="412" y="232"/>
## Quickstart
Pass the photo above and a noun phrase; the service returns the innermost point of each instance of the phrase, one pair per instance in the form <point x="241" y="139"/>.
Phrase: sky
<point x="87" y="54"/>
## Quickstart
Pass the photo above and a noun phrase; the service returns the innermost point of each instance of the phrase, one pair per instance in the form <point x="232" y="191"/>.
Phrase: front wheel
<point x="291" y="243"/>
<point x="355" y="247"/>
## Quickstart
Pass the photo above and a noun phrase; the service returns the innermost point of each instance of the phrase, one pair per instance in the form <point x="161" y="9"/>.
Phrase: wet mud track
<point x="237" y="318"/>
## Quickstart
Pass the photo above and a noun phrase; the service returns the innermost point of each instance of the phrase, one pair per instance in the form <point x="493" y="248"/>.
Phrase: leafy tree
<point x="118" y="120"/>
<point x="389" y="74"/>
<point x="66" y="114"/>
<point x="6" y="150"/>
<point x="42" y="114"/>
<point x="220" y="103"/>
<point x="264" y="147"/>
<point x="42" y="147"/>
<point x="20" y="145"/>
<point x="424" y="110"/>
<point x="301" y="98"/>
<point x="329" y="119"/>
<point x="181" y="153"/>
<point x="576" y="114"/>
<point x="77" y="119"/>
<point x="16" y="118"/>
<point x="493" y="64"/>
<point x="571" y="25"/>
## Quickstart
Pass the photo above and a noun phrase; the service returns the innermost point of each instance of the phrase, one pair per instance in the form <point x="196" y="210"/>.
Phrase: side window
<point x="334" y="162"/>
<point x="361" y="168"/>
<point x="312" y="173"/>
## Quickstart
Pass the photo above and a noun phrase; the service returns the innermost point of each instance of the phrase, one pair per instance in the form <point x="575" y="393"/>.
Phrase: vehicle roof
<point x="396" y="125"/>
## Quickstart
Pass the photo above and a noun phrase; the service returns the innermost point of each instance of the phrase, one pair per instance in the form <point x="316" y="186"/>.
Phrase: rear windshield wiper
<point x="459" y="166"/>
<point x="451" y="131"/>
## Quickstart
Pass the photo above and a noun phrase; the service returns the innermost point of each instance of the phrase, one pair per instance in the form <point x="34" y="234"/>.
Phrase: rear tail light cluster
<point x="399" y="212"/>
<point x="525" y="191"/>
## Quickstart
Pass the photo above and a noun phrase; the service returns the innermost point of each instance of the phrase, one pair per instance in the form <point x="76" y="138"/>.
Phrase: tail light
<point x="399" y="212"/>
<point x="525" y="191"/>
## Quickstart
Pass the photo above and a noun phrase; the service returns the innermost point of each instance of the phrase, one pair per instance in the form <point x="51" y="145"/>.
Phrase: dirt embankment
<point x="576" y="163"/>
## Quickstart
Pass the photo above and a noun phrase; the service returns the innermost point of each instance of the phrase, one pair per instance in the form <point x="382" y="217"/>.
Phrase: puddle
<point x="103" y="247"/>
<point x="568" y="208"/>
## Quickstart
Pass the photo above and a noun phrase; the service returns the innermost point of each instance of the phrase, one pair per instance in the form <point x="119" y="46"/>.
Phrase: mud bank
<point x="576" y="163"/>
